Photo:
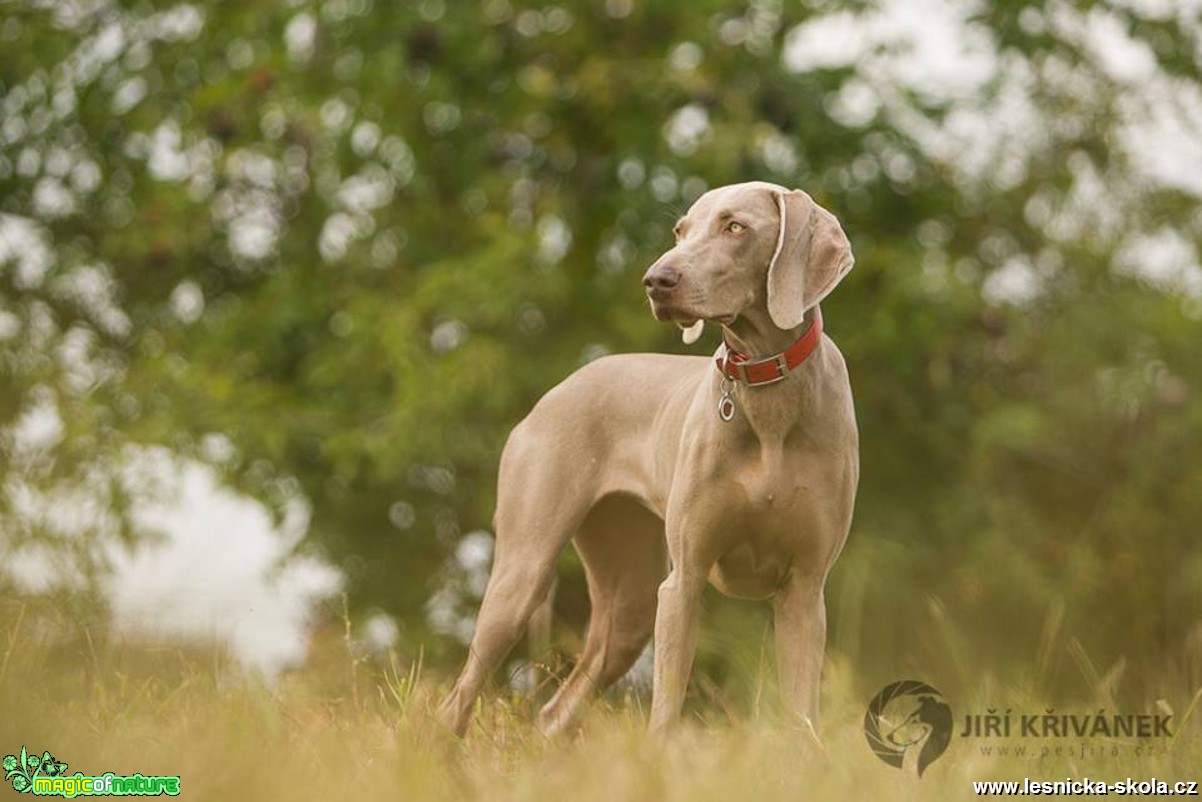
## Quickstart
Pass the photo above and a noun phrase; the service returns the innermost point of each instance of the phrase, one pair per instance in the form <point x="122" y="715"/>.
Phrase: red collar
<point x="739" y="367"/>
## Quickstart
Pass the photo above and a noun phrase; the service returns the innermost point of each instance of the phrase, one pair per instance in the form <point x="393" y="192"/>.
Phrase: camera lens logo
<point x="908" y="721"/>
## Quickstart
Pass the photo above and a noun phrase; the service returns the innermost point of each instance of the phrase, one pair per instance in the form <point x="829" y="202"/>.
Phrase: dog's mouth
<point x="685" y="325"/>
<point x="687" y="319"/>
<point x="667" y="312"/>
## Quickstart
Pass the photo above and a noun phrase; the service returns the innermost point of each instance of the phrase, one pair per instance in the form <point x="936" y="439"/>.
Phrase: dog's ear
<point x="691" y="334"/>
<point x="812" y="255"/>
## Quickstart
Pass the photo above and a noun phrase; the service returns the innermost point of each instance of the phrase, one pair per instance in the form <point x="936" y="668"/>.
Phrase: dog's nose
<point x="661" y="278"/>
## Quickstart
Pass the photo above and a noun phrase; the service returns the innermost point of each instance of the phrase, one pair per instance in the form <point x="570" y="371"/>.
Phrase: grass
<point x="363" y="729"/>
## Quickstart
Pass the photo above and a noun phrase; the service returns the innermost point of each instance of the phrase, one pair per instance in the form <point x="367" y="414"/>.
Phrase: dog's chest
<point x="769" y="525"/>
<point x="766" y="484"/>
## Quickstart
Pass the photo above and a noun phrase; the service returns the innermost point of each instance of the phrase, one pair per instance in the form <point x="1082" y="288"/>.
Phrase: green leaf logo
<point x="21" y="770"/>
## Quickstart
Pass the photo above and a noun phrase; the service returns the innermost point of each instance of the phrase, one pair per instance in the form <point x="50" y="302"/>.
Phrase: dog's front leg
<point x="676" y="624"/>
<point x="800" y="620"/>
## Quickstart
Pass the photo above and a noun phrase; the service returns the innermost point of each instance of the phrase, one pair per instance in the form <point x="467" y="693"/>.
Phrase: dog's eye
<point x="735" y="227"/>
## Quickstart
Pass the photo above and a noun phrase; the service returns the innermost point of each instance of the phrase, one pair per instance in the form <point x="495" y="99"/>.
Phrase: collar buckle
<point x="743" y="370"/>
<point x="755" y="373"/>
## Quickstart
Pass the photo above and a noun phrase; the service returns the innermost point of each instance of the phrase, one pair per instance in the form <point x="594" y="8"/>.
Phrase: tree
<point x="338" y="250"/>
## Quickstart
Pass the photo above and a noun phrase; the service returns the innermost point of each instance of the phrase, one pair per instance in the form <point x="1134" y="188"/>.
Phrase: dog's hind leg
<point x="518" y="584"/>
<point x="622" y="547"/>
<point x="536" y="515"/>
<point x="539" y="634"/>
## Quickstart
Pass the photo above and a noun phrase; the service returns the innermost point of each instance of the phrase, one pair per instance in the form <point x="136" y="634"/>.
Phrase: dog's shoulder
<point x="638" y="372"/>
<point x="622" y="381"/>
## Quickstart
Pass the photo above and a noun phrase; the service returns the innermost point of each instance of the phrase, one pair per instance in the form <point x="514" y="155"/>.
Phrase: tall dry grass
<point x="363" y="729"/>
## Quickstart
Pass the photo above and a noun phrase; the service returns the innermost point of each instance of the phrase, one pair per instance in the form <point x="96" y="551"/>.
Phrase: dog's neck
<point x="754" y="335"/>
<point x="772" y="411"/>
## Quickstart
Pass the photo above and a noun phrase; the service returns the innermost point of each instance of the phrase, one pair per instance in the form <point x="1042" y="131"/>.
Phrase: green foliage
<point x="360" y="239"/>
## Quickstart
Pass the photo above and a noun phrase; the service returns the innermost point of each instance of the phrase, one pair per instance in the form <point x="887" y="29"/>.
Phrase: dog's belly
<point x="746" y="572"/>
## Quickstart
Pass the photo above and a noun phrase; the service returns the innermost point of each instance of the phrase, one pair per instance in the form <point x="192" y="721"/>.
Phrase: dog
<point x="668" y="472"/>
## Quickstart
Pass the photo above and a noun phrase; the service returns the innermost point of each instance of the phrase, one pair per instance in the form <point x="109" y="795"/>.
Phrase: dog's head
<point x="743" y="245"/>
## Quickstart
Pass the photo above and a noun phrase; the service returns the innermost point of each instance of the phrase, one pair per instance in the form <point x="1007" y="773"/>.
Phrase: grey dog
<point x="670" y="471"/>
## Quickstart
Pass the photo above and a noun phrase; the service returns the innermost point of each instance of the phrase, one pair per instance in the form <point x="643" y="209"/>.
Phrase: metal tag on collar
<point x="726" y="404"/>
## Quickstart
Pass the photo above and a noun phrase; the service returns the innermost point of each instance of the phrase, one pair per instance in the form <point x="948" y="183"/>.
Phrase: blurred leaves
<point x="359" y="240"/>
